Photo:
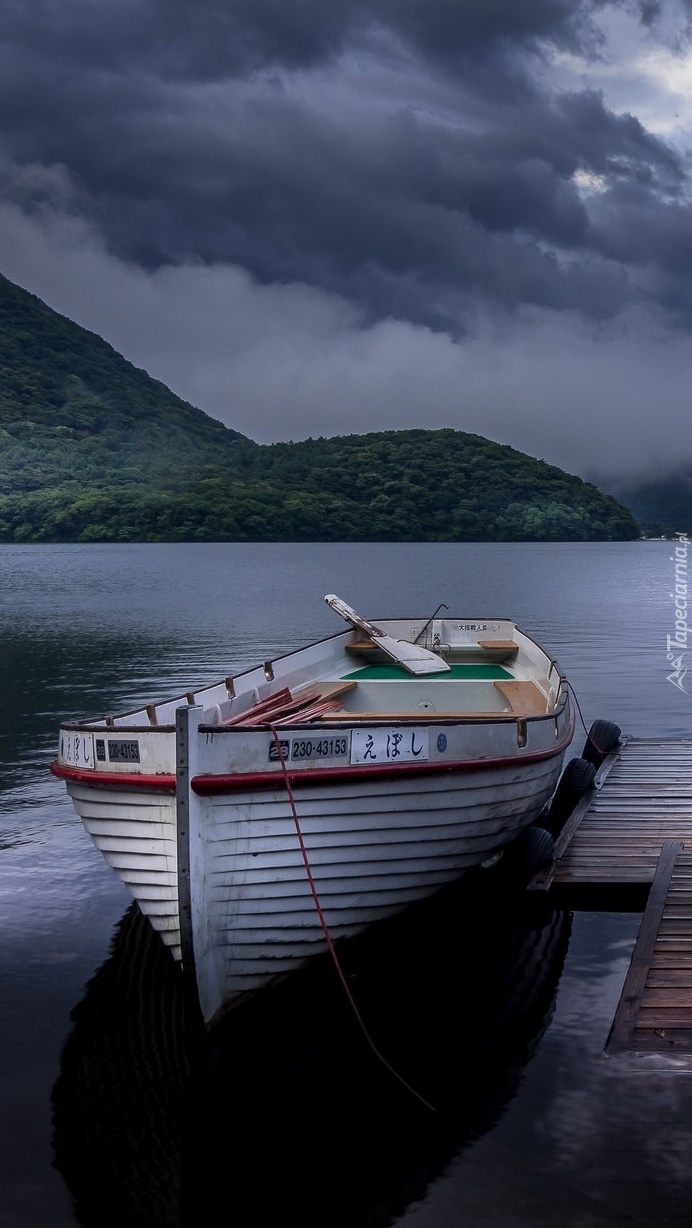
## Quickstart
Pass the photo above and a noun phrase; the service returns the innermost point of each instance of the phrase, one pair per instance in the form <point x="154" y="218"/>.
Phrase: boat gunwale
<point x="229" y="783"/>
<point x="237" y="781"/>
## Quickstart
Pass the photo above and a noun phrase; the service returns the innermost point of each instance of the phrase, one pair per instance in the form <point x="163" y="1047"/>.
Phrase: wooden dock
<point x="630" y="839"/>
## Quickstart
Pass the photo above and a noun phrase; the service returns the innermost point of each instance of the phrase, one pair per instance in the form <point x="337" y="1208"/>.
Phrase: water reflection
<point x="289" y="1108"/>
<point x="120" y="1103"/>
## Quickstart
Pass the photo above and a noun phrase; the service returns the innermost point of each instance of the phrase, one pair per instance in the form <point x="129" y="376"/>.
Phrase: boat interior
<point x="376" y="699"/>
<point x="351" y="678"/>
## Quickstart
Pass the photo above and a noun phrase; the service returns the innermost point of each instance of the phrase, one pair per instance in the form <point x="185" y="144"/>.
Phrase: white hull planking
<point x="258" y="899"/>
<point x="373" y="848"/>
<point x="136" y="834"/>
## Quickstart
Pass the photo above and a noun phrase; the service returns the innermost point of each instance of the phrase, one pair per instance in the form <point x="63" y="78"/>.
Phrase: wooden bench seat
<point x="321" y="699"/>
<point x="481" y="650"/>
<point x="328" y="689"/>
<point x="523" y="697"/>
<point x="367" y="650"/>
<point x="500" y="650"/>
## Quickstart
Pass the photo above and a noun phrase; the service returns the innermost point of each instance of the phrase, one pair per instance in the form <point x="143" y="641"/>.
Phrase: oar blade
<point x="413" y="657"/>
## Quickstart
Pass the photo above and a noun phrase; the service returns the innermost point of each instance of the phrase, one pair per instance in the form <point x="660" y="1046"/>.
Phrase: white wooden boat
<point x="260" y="820"/>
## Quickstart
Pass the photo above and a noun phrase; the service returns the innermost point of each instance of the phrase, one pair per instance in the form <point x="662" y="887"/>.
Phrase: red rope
<point x="325" y="927"/>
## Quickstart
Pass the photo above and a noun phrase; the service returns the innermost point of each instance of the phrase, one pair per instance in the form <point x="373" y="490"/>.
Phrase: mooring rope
<point x="581" y="717"/>
<point x="325" y="928"/>
<point x="602" y="750"/>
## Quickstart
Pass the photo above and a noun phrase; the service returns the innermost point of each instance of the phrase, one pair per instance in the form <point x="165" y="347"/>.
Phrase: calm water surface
<point x="494" y="1104"/>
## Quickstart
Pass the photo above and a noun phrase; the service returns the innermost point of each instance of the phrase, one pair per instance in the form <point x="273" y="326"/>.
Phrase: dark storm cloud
<point x="212" y="133"/>
<point x="212" y="38"/>
<point x="651" y="13"/>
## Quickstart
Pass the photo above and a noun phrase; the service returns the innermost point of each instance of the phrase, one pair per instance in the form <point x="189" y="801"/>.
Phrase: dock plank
<point x="632" y="1008"/>
<point x="634" y="830"/>
<point x="644" y="800"/>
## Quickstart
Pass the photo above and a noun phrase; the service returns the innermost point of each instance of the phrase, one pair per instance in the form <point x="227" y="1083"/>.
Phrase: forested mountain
<point x="450" y="485"/>
<point x="93" y="449"/>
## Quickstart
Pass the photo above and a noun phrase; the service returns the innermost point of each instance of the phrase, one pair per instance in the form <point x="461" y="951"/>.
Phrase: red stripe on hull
<point x="165" y="783"/>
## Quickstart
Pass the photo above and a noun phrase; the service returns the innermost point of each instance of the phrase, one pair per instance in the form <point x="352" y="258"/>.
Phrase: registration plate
<point x="389" y="745"/>
<point x="123" y="751"/>
<point x="319" y="748"/>
<point x="310" y="748"/>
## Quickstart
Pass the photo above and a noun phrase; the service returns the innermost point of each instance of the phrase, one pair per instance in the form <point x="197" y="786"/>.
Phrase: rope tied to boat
<point x="581" y="715"/>
<point x="601" y="737"/>
<point x="325" y="927"/>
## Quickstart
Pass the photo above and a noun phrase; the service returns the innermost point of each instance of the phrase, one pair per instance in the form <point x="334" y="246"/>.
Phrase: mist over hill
<point x="660" y="503"/>
<point x="94" y="449"/>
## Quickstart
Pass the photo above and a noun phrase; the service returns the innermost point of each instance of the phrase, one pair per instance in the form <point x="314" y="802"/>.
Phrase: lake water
<point x="494" y="1104"/>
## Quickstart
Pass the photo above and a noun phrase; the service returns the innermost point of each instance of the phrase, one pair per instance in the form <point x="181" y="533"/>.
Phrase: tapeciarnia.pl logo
<point x="676" y="645"/>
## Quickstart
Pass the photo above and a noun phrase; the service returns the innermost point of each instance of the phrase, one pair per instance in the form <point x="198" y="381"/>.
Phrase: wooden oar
<point x="415" y="659"/>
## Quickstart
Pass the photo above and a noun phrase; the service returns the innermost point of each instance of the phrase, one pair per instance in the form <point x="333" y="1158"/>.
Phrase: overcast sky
<point x="327" y="217"/>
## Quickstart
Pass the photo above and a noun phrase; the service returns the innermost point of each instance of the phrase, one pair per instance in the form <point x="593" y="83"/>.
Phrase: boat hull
<point x="276" y="874"/>
<point x="261" y="820"/>
<point x="277" y="889"/>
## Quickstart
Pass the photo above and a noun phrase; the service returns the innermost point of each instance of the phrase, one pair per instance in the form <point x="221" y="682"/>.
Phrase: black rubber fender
<point x="577" y="777"/>
<point x="603" y="736"/>
<point x="529" y="853"/>
<point x="537" y="848"/>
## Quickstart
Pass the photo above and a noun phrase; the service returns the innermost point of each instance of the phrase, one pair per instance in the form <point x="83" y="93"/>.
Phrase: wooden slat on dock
<point x="635" y="830"/>
<point x="656" y="1002"/>
<point x="617" y="831"/>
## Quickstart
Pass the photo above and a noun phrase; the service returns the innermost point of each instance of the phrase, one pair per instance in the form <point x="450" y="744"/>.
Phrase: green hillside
<point x="93" y="449"/>
<point x="447" y="485"/>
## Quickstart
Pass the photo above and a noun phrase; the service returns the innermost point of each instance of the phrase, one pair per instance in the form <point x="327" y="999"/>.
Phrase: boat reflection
<point x="297" y="1105"/>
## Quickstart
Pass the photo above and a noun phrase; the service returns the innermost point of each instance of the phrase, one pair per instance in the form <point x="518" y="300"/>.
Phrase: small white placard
<point x="389" y="745"/>
<point x="77" y="749"/>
